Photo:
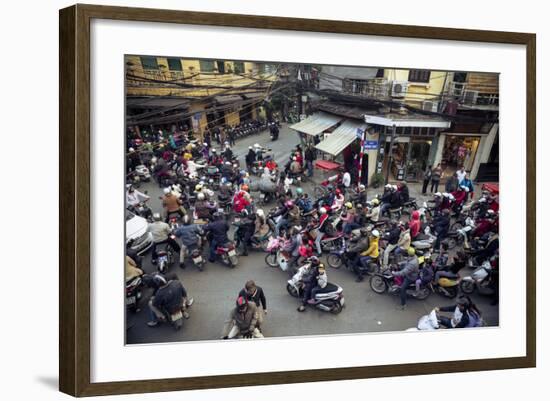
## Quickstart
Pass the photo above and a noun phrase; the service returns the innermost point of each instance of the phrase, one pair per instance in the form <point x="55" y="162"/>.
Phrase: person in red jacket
<point x="414" y="224"/>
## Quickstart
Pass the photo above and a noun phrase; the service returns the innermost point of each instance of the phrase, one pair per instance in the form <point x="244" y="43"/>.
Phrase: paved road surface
<point x="215" y="290"/>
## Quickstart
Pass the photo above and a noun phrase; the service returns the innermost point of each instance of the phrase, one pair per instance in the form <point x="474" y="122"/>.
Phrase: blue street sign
<point x="370" y="145"/>
<point x="197" y="116"/>
<point x="359" y="133"/>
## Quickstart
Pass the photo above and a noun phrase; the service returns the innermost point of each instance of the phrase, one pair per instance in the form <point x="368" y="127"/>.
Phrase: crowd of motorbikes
<point x="211" y="185"/>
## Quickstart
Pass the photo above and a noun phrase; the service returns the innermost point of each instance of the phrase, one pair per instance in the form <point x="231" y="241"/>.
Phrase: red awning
<point x="327" y="165"/>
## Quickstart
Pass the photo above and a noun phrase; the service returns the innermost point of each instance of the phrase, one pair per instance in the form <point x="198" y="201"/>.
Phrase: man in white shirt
<point x="461" y="174"/>
<point x="134" y="197"/>
<point x="346" y="179"/>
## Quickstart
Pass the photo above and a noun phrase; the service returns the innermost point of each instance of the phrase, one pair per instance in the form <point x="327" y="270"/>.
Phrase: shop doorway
<point x="459" y="151"/>
<point x="417" y="159"/>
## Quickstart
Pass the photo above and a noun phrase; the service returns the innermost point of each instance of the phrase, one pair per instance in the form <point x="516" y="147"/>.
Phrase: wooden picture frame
<point x="75" y="207"/>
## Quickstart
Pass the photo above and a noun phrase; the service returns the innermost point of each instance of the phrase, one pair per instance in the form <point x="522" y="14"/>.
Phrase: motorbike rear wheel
<point x="423" y="293"/>
<point x="292" y="291"/>
<point x="336" y="308"/>
<point x="467" y="286"/>
<point x="378" y="284"/>
<point x="271" y="260"/>
<point x="334" y="261"/>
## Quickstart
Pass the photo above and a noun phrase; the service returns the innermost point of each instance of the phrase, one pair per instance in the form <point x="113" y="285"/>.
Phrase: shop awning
<point x="316" y="123"/>
<point x="342" y="136"/>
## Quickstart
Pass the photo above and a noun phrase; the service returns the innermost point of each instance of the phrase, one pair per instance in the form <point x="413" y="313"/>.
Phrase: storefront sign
<point x="370" y="145"/>
<point x="359" y="133"/>
<point x="197" y="116"/>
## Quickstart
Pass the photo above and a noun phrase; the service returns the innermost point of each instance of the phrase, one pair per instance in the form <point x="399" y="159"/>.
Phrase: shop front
<point x="407" y="146"/>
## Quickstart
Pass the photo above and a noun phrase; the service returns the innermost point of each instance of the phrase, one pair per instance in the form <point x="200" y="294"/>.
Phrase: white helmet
<point x="451" y="197"/>
<point x="260" y="212"/>
<point x="438" y="194"/>
<point x="388" y="186"/>
<point x="376" y="233"/>
<point x="466" y="189"/>
<point x="131" y="150"/>
<point x="200" y="196"/>
<point x="361" y="187"/>
<point x="394" y="187"/>
<point x="257" y="145"/>
<point x="166" y="191"/>
<point x="323" y="210"/>
<point x="250" y="147"/>
<point x="204" y="144"/>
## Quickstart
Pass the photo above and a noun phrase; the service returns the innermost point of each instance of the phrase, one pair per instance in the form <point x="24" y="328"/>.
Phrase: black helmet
<point x="314" y="260"/>
<point x="244" y="213"/>
<point x="159" y="280"/>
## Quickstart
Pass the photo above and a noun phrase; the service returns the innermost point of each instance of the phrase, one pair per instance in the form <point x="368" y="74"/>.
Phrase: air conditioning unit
<point x="429" y="105"/>
<point x="470" y="97"/>
<point x="399" y="88"/>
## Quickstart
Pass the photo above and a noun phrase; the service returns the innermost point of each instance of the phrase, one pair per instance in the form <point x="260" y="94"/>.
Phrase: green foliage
<point x="377" y="180"/>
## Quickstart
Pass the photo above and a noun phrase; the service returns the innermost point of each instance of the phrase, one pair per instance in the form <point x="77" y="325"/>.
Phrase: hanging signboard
<point x="368" y="145"/>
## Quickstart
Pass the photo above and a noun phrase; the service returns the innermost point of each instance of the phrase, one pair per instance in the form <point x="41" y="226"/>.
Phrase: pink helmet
<point x="289" y="204"/>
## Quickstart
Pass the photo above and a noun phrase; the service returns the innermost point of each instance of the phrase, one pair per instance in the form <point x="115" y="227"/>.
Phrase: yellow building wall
<point x="232" y="118"/>
<point x="419" y="91"/>
<point x="191" y="68"/>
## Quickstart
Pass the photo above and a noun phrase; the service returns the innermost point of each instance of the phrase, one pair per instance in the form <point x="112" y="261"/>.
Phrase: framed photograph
<point x="251" y="200"/>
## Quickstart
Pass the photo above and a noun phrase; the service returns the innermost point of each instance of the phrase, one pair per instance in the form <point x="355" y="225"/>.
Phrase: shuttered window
<point x="149" y="63"/>
<point x="207" y="65"/>
<point x="174" y="64"/>
<point x="419" y="76"/>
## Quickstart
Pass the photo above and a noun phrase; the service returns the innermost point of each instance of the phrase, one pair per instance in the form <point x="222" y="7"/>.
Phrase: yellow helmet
<point x="198" y="187"/>
<point x="375" y="202"/>
<point x="348" y="205"/>
<point x="411" y="251"/>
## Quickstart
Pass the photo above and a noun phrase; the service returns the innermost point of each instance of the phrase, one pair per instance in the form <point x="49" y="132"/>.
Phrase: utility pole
<point x="391" y="153"/>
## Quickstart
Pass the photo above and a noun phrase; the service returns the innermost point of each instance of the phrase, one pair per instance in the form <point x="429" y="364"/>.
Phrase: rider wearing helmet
<point x="368" y="255"/>
<point x="357" y="245"/>
<point x="349" y="218"/>
<point x="172" y="204"/>
<point x="409" y="270"/>
<point x="161" y="235"/>
<point x="246" y="230"/>
<point x="243" y="320"/>
<point x="169" y="298"/>
<point x="308" y="273"/>
<point x="290" y="215"/>
<point x="374" y="213"/>
<point x="218" y="228"/>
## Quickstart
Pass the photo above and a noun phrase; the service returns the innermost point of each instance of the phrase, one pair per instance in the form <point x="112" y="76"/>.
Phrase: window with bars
<point x="174" y="64"/>
<point x="220" y="65"/>
<point x="419" y="76"/>
<point x="207" y="65"/>
<point x="238" y="67"/>
<point x="149" y="63"/>
<point x="380" y="73"/>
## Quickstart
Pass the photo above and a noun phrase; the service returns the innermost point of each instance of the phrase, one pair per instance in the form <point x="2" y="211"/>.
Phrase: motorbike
<point x="255" y="244"/>
<point x="165" y="259"/>
<point x="133" y="293"/>
<point x="143" y="173"/>
<point x="386" y="282"/>
<point x="409" y="206"/>
<point x="142" y="210"/>
<point x="446" y="286"/>
<point x="480" y="279"/>
<point x="228" y="254"/>
<point x="275" y="256"/>
<point x="424" y="241"/>
<point x="338" y="257"/>
<point x="329" y="299"/>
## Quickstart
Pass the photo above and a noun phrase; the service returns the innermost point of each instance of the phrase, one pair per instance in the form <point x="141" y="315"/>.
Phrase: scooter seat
<point x="330" y="288"/>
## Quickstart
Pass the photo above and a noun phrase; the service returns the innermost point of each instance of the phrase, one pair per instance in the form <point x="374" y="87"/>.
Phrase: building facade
<point x="170" y="92"/>
<point x="435" y="117"/>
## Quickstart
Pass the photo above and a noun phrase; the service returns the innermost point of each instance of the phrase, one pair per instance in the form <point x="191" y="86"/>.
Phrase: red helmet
<point x="338" y="192"/>
<point x="242" y="303"/>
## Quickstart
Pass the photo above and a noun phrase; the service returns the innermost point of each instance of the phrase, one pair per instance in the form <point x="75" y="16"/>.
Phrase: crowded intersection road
<point x="215" y="289"/>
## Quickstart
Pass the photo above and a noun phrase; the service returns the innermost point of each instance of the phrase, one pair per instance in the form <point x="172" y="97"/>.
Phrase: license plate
<point x="262" y="196"/>
<point x="342" y="301"/>
<point x="176" y="316"/>
<point x="198" y="259"/>
<point x="231" y="252"/>
<point x="130" y="300"/>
